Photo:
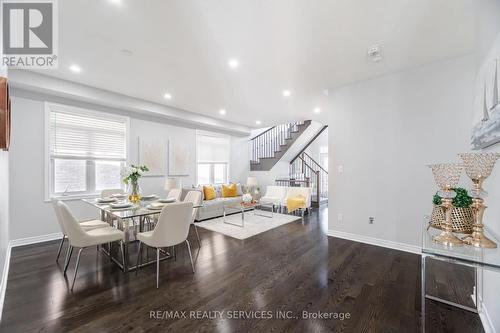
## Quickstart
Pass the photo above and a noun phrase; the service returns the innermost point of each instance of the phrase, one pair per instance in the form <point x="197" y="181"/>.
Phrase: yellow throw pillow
<point x="209" y="192"/>
<point x="229" y="191"/>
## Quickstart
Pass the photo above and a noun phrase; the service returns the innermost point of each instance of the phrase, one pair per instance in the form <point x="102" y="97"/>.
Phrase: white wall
<point x="27" y="164"/>
<point x="489" y="49"/>
<point x="383" y="132"/>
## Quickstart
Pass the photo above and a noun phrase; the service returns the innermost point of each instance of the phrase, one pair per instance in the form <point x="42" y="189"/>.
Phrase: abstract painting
<point x="152" y="153"/>
<point x="178" y="158"/>
<point x="486" y="130"/>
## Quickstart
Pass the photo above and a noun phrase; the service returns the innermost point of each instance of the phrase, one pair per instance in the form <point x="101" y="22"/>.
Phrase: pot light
<point x="116" y="2"/>
<point x="75" y="68"/>
<point x="233" y="63"/>
<point x="258" y="122"/>
<point x="167" y="96"/>
<point x="222" y="112"/>
<point x="286" y="93"/>
<point x="317" y="110"/>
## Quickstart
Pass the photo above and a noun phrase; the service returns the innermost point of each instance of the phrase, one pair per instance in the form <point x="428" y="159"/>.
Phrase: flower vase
<point x="134" y="192"/>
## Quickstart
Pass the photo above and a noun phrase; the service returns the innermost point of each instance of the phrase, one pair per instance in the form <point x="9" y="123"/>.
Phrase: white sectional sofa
<point x="276" y="194"/>
<point x="213" y="208"/>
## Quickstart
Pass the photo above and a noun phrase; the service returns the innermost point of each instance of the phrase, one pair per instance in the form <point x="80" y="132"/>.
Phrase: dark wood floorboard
<point x="295" y="267"/>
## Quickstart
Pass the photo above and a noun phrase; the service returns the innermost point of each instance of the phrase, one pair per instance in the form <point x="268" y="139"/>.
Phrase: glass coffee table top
<point x="473" y="255"/>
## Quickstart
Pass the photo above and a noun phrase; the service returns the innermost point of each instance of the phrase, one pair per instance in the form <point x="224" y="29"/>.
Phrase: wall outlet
<point x="371" y="219"/>
<point x="340" y="217"/>
<point x="340" y="169"/>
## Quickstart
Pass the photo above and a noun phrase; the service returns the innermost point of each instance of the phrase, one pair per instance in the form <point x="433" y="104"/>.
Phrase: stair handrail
<point x="260" y="134"/>
<point x="308" y="166"/>
<point x="314" y="161"/>
<point x="309" y="143"/>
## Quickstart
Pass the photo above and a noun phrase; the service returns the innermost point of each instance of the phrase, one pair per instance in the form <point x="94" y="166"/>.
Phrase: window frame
<point x="212" y="173"/>
<point x="90" y="163"/>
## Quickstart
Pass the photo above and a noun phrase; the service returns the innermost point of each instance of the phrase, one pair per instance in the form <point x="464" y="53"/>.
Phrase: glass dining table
<point x="139" y="217"/>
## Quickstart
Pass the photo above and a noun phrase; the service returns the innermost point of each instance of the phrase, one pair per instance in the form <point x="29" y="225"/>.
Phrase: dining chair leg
<point x="68" y="258"/>
<point x="139" y="253"/>
<point x="60" y="248"/>
<point x="190" y="256"/>
<point x="157" y="267"/>
<point x="197" y="235"/>
<point x="122" y="250"/>
<point x="76" y="267"/>
<point x="174" y="253"/>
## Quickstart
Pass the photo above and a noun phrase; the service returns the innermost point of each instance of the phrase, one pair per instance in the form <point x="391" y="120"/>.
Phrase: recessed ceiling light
<point x="317" y="110"/>
<point x="233" y="63"/>
<point x="117" y="2"/>
<point x="286" y="93"/>
<point x="258" y="122"/>
<point x="167" y="96"/>
<point x="222" y="112"/>
<point x="75" y="68"/>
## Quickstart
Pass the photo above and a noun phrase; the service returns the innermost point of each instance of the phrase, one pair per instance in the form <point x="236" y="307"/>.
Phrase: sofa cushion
<point x="229" y="191"/>
<point x="239" y="189"/>
<point x="209" y="192"/>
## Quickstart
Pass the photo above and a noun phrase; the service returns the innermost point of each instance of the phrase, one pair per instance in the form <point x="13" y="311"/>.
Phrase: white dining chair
<point x="109" y="192"/>
<point x="172" y="229"/>
<point x="195" y="198"/>
<point x="80" y="238"/>
<point x="175" y="193"/>
<point x="85" y="224"/>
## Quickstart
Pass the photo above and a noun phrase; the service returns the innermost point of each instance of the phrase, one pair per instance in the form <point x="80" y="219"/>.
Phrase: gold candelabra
<point x="478" y="167"/>
<point x="447" y="176"/>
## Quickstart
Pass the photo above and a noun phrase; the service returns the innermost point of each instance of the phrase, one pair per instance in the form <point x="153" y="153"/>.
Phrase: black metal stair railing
<point x="305" y="170"/>
<point x="269" y="142"/>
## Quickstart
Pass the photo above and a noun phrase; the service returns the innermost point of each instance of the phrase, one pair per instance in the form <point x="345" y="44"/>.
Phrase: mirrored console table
<point x="478" y="259"/>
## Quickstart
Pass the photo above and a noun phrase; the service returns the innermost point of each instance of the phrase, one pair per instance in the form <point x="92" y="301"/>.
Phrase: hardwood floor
<point x="291" y="268"/>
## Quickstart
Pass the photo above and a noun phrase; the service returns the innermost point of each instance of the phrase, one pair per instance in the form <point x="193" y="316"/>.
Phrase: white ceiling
<point x="183" y="46"/>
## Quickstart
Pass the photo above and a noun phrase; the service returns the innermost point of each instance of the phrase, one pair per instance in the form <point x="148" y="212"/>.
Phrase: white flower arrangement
<point x="133" y="173"/>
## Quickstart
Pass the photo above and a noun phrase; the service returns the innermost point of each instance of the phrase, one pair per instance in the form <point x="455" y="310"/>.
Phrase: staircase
<point x="269" y="146"/>
<point x="306" y="172"/>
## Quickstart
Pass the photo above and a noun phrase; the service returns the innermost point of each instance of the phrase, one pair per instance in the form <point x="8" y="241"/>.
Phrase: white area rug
<point x="254" y="224"/>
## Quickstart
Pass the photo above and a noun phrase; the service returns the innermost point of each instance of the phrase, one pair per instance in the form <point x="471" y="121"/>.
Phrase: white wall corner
<point x="376" y="241"/>
<point x="15" y="243"/>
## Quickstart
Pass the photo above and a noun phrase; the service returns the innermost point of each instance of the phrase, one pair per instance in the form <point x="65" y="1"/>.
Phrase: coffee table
<point x="259" y="208"/>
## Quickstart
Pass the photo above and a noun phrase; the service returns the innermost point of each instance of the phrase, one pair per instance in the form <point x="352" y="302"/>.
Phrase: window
<point x="323" y="153"/>
<point x="212" y="151"/>
<point x="86" y="151"/>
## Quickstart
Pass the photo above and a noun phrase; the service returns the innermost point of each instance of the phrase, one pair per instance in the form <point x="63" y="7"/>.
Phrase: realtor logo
<point x="29" y="34"/>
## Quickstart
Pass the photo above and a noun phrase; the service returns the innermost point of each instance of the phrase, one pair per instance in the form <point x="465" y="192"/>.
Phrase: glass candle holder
<point x="447" y="176"/>
<point x="478" y="167"/>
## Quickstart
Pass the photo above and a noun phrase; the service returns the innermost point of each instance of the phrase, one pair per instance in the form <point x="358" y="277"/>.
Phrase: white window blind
<point x="211" y="148"/>
<point x="86" y="136"/>
<point x="86" y="150"/>
<point x="213" y="152"/>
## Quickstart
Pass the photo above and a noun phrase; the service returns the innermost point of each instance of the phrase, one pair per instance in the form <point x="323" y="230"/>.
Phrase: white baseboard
<point x="376" y="241"/>
<point x="3" y="281"/>
<point x="35" y="239"/>
<point x="485" y="318"/>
